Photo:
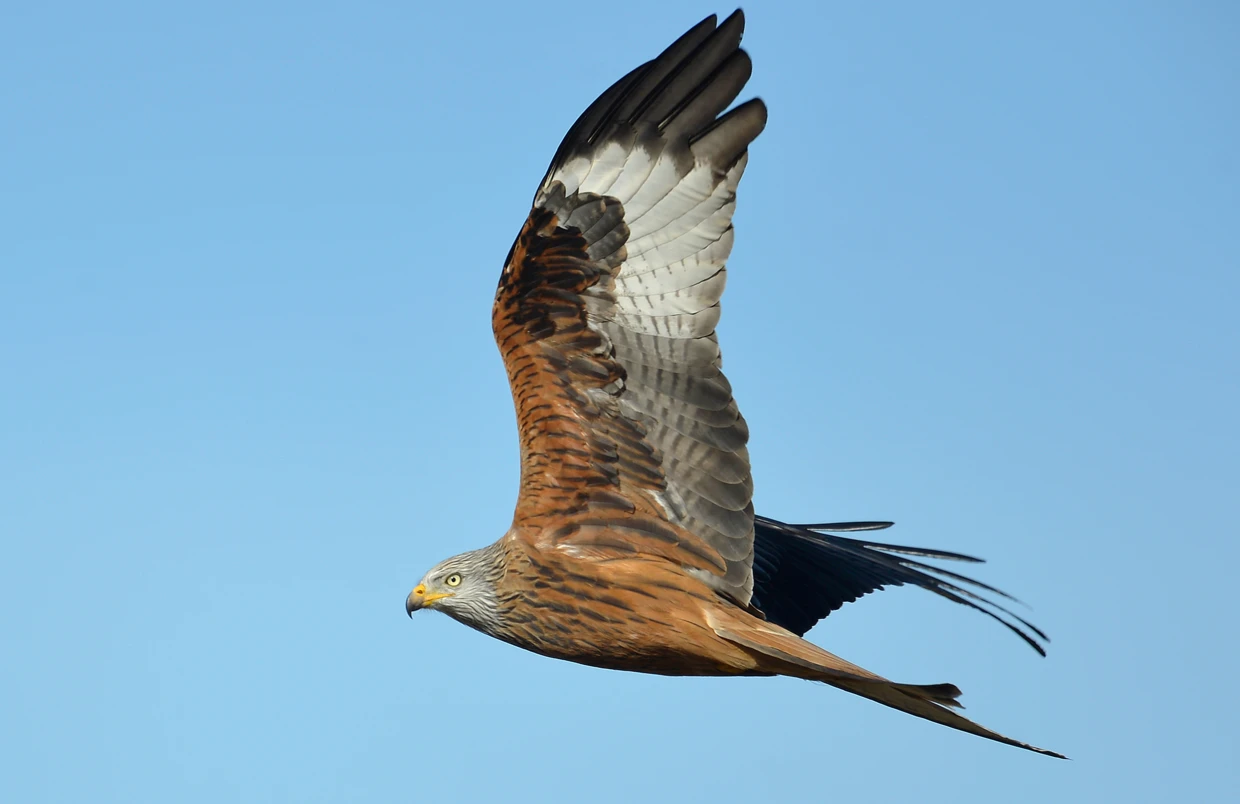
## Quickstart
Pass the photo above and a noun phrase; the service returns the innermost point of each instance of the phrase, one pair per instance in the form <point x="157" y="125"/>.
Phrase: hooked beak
<point x="419" y="599"/>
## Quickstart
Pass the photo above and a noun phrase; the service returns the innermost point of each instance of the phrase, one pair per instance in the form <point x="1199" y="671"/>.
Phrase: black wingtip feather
<point x="846" y="527"/>
<point x="661" y="89"/>
<point x="802" y="573"/>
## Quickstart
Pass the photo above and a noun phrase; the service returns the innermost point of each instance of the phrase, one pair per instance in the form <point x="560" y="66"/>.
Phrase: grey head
<point x="464" y="588"/>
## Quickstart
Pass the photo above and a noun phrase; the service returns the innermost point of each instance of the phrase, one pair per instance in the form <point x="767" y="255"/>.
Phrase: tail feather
<point x="941" y="694"/>
<point x="909" y="698"/>
<point x="785" y="653"/>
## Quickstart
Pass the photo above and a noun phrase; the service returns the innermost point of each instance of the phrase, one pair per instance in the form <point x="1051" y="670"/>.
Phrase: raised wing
<point x="606" y="310"/>
<point x="802" y="574"/>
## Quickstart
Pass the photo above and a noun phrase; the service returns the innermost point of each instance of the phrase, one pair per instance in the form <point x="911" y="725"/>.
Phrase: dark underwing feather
<point x="802" y="574"/>
<point x="623" y="100"/>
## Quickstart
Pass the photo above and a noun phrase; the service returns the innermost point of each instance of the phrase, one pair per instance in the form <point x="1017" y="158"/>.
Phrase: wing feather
<point x="803" y="573"/>
<point x="606" y="313"/>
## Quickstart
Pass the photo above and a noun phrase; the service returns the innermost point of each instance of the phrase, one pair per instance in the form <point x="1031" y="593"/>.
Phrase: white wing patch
<point x="657" y="313"/>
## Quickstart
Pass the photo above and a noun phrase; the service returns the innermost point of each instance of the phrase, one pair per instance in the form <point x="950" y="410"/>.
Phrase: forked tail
<point x="787" y="654"/>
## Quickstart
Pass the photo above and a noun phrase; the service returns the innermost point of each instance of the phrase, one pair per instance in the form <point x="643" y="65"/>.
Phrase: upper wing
<point x="606" y="310"/>
<point x="802" y="574"/>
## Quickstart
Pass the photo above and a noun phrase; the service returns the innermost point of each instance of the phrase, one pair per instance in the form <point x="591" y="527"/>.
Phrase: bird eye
<point x="453" y="580"/>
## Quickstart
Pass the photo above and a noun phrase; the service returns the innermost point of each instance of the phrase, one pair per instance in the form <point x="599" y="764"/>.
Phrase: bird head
<point x="463" y="587"/>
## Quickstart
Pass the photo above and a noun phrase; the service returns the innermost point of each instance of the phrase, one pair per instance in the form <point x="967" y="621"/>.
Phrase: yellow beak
<point x="420" y="599"/>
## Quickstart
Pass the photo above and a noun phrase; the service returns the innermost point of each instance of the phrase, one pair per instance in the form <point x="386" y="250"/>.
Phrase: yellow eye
<point x="453" y="580"/>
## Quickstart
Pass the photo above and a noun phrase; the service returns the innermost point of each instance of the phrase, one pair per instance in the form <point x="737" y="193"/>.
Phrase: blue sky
<point x="985" y="284"/>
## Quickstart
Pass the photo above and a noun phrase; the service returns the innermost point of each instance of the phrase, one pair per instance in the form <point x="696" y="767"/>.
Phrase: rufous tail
<point x="785" y="653"/>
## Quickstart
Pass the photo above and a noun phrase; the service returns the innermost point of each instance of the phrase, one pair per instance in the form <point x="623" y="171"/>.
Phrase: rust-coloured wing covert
<point x="606" y="310"/>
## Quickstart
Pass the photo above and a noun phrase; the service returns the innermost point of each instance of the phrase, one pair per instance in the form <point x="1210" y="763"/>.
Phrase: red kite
<point x="634" y="545"/>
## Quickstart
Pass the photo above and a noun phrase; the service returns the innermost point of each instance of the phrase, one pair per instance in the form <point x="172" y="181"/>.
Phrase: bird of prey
<point x="634" y="545"/>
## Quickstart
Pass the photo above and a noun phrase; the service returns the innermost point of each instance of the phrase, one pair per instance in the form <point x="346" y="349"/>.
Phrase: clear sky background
<point x="986" y="283"/>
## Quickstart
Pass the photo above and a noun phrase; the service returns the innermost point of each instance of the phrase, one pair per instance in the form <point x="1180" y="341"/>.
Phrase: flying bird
<point x="634" y="545"/>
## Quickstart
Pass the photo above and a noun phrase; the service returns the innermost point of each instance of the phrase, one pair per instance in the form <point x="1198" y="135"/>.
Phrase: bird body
<point x="634" y="544"/>
<point x="597" y="611"/>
